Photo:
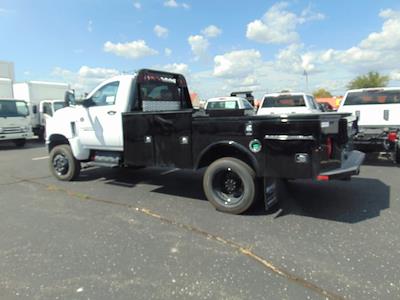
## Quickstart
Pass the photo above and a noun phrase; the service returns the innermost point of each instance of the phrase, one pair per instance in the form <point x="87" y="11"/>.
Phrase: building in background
<point x="7" y="70"/>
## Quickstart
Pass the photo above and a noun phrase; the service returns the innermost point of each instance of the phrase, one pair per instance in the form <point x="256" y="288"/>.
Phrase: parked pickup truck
<point x="288" y="103"/>
<point x="147" y="119"/>
<point x="378" y="113"/>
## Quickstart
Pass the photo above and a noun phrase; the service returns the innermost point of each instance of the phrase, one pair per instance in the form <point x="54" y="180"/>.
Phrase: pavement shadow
<point x="172" y="182"/>
<point x="341" y="201"/>
<point x="375" y="159"/>
<point x="31" y="144"/>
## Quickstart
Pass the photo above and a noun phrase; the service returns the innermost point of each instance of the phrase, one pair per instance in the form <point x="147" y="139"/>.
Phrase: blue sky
<point x="219" y="45"/>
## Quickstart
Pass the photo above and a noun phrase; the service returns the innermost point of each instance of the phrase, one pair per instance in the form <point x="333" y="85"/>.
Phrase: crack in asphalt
<point x="236" y="246"/>
<point x="22" y="180"/>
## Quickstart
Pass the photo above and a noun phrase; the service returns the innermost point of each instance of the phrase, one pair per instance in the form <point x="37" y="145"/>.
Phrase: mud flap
<point x="271" y="188"/>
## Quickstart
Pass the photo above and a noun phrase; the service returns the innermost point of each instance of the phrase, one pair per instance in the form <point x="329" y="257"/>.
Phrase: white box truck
<point x="6" y="88"/>
<point x="14" y="121"/>
<point x="36" y="94"/>
<point x="7" y="70"/>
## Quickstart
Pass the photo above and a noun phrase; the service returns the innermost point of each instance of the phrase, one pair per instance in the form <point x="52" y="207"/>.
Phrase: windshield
<point x="58" y="105"/>
<point x="222" y="105"/>
<point x="284" y="101"/>
<point x="12" y="108"/>
<point x="372" y="97"/>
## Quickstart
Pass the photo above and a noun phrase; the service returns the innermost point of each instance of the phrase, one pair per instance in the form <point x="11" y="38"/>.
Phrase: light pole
<point x="306" y="75"/>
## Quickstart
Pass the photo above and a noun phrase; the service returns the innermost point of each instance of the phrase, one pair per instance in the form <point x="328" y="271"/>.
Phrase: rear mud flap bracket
<point x="271" y="187"/>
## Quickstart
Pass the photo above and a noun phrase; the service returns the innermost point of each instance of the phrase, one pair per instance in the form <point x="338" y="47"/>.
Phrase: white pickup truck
<point x="378" y="113"/>
<point x="288" y="103"/>
<point x="14" y="122"/>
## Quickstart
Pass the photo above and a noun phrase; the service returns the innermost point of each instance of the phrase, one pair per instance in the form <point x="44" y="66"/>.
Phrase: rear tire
<point x="20" y="143"/>
<point x="230" y="185"/>
<point x="63" y="164"/>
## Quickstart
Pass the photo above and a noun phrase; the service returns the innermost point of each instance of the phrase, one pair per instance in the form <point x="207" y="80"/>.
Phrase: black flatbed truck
<point x="244" y="156"/>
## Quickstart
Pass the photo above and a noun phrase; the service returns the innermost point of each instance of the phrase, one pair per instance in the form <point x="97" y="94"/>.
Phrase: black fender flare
<point x="245" y="154"/>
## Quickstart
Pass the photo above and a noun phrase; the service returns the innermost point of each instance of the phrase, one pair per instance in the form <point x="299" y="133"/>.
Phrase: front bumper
<point x="350" y="166"/>
<point x="15" y="136"/>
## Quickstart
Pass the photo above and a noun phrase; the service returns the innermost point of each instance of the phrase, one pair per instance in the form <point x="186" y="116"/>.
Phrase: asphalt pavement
<point x="151" y="234"/>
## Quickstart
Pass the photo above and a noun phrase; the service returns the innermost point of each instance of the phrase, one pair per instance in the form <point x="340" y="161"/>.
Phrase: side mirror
<point x="34" y="109"/>
<point x="69" y="98"/>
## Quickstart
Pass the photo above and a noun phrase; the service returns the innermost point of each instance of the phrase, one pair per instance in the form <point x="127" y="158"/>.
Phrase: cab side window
<point x="247" y="105"/>
<point x="106" y="95"/>
<point x="47" y="109"/>
<point x="312" y="103"/>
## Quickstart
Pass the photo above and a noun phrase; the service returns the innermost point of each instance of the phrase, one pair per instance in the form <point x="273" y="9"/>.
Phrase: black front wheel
<point x="230" y="185"/>
<point x="63" y="164"/>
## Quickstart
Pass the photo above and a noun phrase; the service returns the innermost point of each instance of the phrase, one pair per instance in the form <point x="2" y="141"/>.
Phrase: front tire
<point x="230" y="185"/>
<point x="63" y="164"/>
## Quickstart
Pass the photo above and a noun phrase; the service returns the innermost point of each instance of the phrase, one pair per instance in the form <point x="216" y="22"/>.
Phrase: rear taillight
<point x="329" y="147"/>
<point x="322" y="178"/>
<point x="392" y="136"/>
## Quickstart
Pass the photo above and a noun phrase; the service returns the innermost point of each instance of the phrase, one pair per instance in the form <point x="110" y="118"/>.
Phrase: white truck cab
<point x="98" y="120"/>
<point x="288" y="103"/>
<point x="378" y="113"/>
<point x="14" y="121"/>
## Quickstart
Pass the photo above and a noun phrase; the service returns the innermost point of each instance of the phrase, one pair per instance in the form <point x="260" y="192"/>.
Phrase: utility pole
<point x="306" y="75"/>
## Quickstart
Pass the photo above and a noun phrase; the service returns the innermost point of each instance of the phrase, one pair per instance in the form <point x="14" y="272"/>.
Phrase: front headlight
<point x="25" y="128"/>
<point x="1" y="130"/>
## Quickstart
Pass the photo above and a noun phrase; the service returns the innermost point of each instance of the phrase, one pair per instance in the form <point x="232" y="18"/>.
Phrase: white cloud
<point x="236" y="63"/>
<point x="378" y="51"/>
<point x="395" y="75"/>
<point x="167" y="52"/>
<point x="177" y="68"/>
<point x="171" y="3"/>
<point x="160" y="31"/>
<point x="90" y="26"/>
<point x="86" y="78"/>
<point x="278" y="25"/>
<point x="199" y="46"/>
<point x="293" y="59"/>
<point x="137" y="5"/>
<point x="135" y="49"/>
<point x="5" y="11"/>
<point x="175" y="4"/>
<point x="211" y="31"/>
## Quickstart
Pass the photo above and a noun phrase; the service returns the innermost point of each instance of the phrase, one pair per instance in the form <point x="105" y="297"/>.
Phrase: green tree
<point x="369" y="80"/>
<point x="322" y="93"/>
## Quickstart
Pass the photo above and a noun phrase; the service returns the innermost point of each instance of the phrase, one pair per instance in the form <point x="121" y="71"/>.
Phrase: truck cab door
<point x="45" y="112"/>
<point x="100" y="127"/>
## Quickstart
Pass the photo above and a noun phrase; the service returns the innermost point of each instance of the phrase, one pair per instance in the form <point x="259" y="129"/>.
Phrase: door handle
<point x="161" y="120"/>
<point x="111" y="112"/>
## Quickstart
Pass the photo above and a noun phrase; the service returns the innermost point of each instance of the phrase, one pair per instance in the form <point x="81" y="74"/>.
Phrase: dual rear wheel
<point x="230" y="185"/>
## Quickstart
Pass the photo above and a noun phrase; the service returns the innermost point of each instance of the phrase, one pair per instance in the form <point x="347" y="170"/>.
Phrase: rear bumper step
<point x="351" y="166"/>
